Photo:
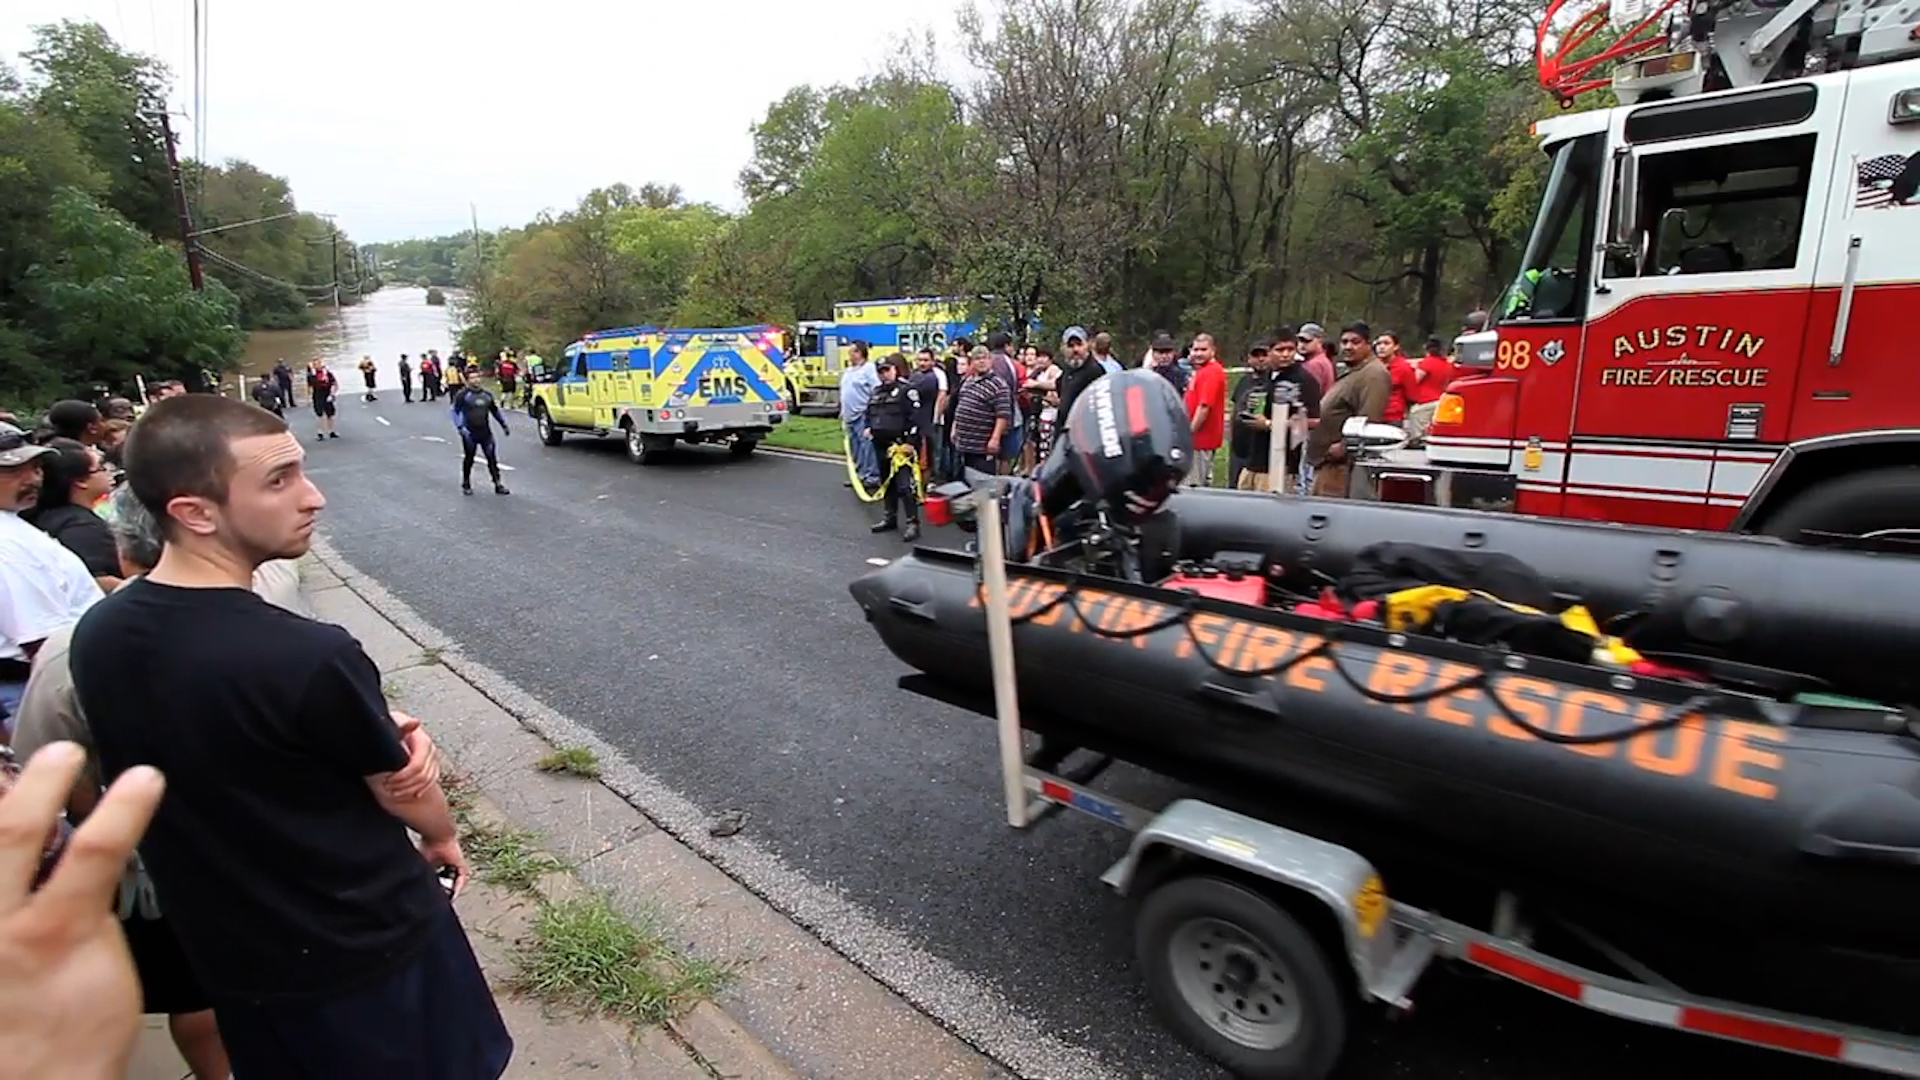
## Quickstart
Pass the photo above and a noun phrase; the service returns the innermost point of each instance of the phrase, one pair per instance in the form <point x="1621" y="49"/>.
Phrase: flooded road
<point x="387" y="323"/>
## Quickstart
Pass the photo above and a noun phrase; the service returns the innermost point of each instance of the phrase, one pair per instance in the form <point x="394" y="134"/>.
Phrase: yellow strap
<point x="903" y="455"/>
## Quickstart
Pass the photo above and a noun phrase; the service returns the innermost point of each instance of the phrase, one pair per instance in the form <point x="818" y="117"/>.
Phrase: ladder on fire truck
<point x="1672" y="48"/>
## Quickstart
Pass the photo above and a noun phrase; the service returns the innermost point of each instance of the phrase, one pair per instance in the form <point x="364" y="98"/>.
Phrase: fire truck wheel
<point x="1240" y="979"/>
<point x="1877" y="503"/>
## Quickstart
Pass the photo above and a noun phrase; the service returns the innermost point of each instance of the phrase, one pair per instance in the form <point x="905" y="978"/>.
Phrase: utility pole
<point x="475" y="211"/>
<point x="336" y="261"/>
<point x="188" y="238"/>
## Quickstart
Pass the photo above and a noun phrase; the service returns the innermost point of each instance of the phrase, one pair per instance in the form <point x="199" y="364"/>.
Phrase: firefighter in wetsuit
<point x="474" y="413"/>
<point x="890" y="416"/>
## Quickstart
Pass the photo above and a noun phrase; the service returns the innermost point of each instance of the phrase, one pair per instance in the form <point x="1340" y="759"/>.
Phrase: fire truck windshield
<point x="1554" y="268"/>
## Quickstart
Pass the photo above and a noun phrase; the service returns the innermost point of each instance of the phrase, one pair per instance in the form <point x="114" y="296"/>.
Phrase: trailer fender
<point x="1336" y="877"/>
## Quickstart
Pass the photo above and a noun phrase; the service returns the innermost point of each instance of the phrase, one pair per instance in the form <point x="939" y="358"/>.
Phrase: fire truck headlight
<point x="1905" y="108"/>
<point x="1452" y="409"/>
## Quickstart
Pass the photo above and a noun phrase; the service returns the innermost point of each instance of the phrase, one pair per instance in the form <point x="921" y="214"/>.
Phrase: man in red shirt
<point x="1400" y="370"/>
<point x="1435" y="371"/>
<point x="1206" y="408"/>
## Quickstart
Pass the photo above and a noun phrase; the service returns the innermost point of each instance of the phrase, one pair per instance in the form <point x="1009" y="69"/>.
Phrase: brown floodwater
<point x="384" y="325"/>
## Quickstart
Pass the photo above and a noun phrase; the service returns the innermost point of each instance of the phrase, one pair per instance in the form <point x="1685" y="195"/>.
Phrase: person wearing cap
<point x="983" y="415"/>
<point x="1163" y="356"/>
<point x="1312" y="340"/>
<point x="1080" y="373"/>
<point x="43" y="586"/>
<point x="892" y="412"/>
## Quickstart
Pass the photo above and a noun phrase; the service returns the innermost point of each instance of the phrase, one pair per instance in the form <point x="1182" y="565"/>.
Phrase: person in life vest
<point x="509" y="371"/>
<point x="892" y="410"/>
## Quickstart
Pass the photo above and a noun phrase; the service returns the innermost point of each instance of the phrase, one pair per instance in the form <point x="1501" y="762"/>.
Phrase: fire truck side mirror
<point x="1623" y="218"/>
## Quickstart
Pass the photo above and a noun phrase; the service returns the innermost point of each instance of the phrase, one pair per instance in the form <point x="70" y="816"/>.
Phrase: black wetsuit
<point x="474" y="413"/>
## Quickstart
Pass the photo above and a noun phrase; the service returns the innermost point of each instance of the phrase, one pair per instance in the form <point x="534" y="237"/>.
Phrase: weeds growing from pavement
<point x="572" y="760"/>
<point x="584" y="954"/>
<point x="579" y="951"/>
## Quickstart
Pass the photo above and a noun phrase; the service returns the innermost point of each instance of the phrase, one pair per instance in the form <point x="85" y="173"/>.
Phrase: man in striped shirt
<point x="984" y="414"/>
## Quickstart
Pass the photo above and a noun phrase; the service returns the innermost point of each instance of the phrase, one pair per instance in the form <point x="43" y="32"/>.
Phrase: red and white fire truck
<point x="1717" y="318"/>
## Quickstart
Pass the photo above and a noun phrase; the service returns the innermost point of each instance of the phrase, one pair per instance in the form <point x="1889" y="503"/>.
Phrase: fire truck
<point x="1716" y="320"/>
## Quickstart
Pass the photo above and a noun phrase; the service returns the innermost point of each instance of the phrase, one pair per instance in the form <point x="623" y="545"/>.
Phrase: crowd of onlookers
<point x="994" y="406"/>
<point x="289" y="906"/>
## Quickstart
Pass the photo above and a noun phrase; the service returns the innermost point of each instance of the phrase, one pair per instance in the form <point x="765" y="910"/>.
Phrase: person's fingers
<point x="89" y="871"/>
<point x="28" y="814"/>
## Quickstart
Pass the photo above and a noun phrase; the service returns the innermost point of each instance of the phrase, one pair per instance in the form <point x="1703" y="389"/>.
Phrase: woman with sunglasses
<point x="73" y="479"/>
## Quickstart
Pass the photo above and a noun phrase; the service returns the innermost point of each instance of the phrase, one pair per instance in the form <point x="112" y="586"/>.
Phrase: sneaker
<point x="333" y="434"/>
<point x="884" y="526"/>
<point x="466" y="489"/>
<point x="500" y="489"/>
<point x="911" y="532"/>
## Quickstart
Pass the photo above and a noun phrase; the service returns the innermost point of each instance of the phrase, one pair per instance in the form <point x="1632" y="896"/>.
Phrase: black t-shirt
<point x="84" y="533"/>
<point x="273" y="862"/>
<point x="1257" y="394"/>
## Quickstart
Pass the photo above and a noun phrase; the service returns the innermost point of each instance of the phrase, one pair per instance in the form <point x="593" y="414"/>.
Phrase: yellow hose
<point x="902" y="455"/>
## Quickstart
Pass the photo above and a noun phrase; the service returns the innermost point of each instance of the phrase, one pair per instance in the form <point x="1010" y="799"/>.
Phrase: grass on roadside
<point x="580" y="952"/>
<point x="819" y="434"/>
<point x="584" y="954"/>
<point x="572" y="760"/>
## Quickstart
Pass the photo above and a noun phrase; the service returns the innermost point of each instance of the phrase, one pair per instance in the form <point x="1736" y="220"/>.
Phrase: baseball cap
<point x="15" y="449"/>
<point x="1073" y="332"/>
<point x="1313" y="330"/>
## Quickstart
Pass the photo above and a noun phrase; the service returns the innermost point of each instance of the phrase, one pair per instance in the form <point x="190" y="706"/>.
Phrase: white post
<point x="242" y="380"/>
<point x="1006" y="688"/>
<point x="141" y="382"/>
<point x="1278" y="436"/>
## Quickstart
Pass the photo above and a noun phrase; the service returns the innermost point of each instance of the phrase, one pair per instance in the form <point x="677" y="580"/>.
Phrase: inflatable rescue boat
<point x="1707" y="734"/>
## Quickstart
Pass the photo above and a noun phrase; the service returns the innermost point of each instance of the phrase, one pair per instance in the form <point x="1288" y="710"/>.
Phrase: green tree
<point x="111" y="101"/>
<point x="114" y="303"/>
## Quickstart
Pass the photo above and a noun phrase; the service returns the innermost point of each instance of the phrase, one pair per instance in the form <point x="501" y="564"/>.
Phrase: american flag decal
<point x="1887" y="180"/>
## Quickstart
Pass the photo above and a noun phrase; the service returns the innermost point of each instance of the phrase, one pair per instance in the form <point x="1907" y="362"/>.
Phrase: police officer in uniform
<point x="891" y="413"/>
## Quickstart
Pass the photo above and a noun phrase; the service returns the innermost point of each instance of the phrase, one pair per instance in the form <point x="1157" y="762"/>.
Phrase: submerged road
<point x="695" y="614"/>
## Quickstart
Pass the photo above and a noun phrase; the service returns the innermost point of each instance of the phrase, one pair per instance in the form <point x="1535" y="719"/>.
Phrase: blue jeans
<point x="10" y="695"/>
<point x="864" y="462"/>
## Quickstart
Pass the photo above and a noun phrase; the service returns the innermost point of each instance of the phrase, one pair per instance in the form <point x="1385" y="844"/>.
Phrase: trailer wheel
<point x="1882" y="502"/>
<point x="1240" y="979"/>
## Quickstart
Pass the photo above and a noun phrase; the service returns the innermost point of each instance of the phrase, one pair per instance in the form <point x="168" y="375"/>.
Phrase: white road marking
<point x="433" y="438"/>
<point x="506" y="468"/>
<point x="383" y="420"/>
<point x="877" y="561"/>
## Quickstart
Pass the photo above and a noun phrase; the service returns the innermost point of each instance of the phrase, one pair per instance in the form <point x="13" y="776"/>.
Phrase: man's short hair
<point x="182" y="446"/>
<point x="136" y="533"/>
<point x="1282" y="333"/>
<point x="1358" y="329"/>
<point x="70" y="419"/>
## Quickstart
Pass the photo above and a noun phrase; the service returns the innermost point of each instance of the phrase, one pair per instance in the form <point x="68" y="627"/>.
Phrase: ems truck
<point x="904" y="325"/>
<point x="658" y="386"/>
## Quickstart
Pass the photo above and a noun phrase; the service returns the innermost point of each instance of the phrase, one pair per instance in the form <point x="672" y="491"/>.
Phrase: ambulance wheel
<point x="544" y="425"/>
<point x="647" y="449"/>
<point x="742" y="447"/>
<point x="1880" y="503"/>
<point x="1240" y="979"/>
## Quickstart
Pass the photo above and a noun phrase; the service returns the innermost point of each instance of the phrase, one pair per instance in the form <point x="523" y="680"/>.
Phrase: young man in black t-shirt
<point x="1281" y="380"/>
<point x="280" y="854"/>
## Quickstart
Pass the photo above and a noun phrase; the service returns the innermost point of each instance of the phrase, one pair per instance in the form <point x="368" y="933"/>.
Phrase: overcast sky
<point x="396" y="114"/>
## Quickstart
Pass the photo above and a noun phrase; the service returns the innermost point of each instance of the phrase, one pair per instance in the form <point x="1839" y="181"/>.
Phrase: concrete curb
<point x="808" y="1002"/>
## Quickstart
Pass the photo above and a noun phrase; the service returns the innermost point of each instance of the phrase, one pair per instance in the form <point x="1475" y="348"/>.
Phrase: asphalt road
<point x="696" y="615"/>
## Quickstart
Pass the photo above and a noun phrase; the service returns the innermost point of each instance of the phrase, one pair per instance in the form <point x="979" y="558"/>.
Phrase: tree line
<point x="1130" y="164"/>
<point x="93" y="286"/>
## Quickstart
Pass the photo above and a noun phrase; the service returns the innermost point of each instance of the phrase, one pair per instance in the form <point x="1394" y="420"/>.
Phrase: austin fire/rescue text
<point x="1684" y="372"/>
